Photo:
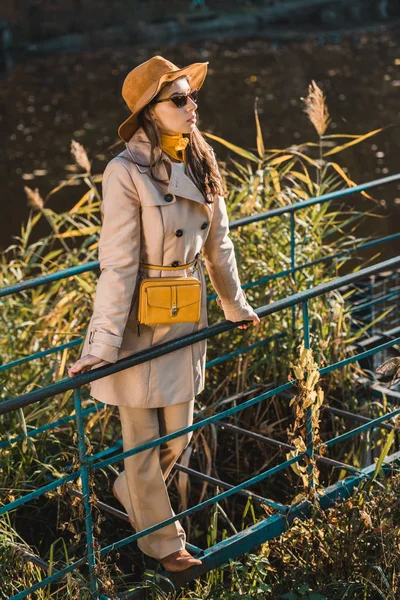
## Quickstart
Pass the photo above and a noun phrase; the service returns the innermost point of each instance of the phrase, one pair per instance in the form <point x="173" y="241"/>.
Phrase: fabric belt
<point x="169" y="268"/>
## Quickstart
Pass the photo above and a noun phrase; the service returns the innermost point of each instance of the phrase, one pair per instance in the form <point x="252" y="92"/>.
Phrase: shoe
<point x="179" y="561"/>
<point x="119" y="500"/>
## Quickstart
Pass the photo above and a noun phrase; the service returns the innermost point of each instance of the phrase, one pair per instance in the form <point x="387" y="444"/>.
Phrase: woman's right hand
<point x="84" y="364"/>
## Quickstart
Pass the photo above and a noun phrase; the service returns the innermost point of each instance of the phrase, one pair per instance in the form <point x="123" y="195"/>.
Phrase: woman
<point x="162" y="205"/>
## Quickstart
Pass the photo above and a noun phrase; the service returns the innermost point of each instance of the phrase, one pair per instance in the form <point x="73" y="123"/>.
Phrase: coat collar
<point x="180" y="184"/>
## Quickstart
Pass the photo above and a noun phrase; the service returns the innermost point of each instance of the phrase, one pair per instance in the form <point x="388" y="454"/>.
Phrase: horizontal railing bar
<point x="246" y="493"/>
<point x="36" y="560"/>
<point x="292" y="208"/>
<point x="201" y="505"/>
<point x="43" y="428"/>
<point x="78" y="341"/>
<point x="345" y="413"/>
<point x="118" y="445"/>
<point x="119" y="514"/>
<point x="41" y="354"/>
<point x="263" y="475"/>
<point x="51" y="579"/>
<point x="349" y="415"/>
<point x="254" y="389"/>
<point x="38" y="492"/>
<point x="239" y="351"/>
<point x="99" y="405"/>
<point x="375" y="338"/>
<point x="68" y="478"/>
<point x="26" y="284"/>
<point x="265" y="523"/>
<point x="374" y="302"/>
<point x="353" y="432"/>
<point x="281" y="466"/>
<point x="203" y="423"/>
<point x="378" y="282"/>
<point x="210" y="297"/>
<point x="312" y="263"/>
<point x="223" y="552"/>
<point x="236" y="409"/>
<point x="228" y="486"/>
<point x="188" y="470"/>
<point x="285" y="446"/>
<point x="197" y="425"/>
<point x="189" y="339"/>
<point x="361" y="356"/>
<point x="377" y="295"/>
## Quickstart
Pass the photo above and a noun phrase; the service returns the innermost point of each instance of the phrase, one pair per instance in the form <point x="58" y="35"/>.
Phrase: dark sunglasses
<point x="180" y="100"/>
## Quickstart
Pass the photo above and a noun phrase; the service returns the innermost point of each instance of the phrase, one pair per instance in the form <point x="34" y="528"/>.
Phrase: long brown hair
<point x="200" y="156"/>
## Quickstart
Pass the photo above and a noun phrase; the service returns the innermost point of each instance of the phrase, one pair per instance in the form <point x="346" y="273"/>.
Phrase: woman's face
<point x="169" y="118"/>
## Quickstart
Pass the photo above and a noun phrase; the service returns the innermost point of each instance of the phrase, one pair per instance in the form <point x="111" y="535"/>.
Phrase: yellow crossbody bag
<point x="169" y="299"/>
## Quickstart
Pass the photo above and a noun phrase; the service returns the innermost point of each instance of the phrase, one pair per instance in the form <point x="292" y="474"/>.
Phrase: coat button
<point x="204" y="225"/>
<point x="176" y="263"/>
<point x="168" y="197"/>
<point x="179" y="232"/>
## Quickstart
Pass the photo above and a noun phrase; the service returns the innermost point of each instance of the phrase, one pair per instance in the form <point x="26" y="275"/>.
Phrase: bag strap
<point x="169" y="268"/>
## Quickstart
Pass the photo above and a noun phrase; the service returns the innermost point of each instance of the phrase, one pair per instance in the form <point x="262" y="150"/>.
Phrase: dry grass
<point x="316" y="108"/>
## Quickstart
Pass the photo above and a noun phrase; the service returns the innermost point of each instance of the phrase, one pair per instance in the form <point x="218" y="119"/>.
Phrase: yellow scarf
<point x="174" y="145"/>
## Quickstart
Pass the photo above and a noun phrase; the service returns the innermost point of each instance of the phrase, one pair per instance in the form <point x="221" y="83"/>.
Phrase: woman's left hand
<point x="253" y="321"/>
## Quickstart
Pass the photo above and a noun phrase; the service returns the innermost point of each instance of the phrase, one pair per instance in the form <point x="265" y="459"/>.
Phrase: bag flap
<point x="161" y="296"/>
<point x="188" y="294"/>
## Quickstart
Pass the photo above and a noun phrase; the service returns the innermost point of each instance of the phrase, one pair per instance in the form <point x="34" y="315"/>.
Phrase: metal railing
<point x="284" y="515"/>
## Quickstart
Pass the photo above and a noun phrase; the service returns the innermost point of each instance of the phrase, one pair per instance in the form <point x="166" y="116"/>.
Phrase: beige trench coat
<point x="155" y="223"/>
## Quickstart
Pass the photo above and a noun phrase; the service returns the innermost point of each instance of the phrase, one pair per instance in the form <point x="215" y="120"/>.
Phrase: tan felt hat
<point x="143" y="83"/>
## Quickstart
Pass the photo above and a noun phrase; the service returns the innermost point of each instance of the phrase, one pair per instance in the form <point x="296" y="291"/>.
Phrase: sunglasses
<point x="180" y="100"/>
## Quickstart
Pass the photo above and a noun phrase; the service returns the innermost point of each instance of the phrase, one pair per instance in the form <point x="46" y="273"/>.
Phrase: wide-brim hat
<point x="143" y="83"/>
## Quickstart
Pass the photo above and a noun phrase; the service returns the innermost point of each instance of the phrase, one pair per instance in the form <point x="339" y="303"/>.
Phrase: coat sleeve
<point x="119" y="248"/>
<point x="220" y="262"/>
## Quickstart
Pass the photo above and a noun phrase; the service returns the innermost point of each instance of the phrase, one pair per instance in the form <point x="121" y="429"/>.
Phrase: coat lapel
<point x="178" y="182"/>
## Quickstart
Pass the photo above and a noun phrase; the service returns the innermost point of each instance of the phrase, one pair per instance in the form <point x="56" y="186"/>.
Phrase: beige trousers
<point x="141" y="486"/>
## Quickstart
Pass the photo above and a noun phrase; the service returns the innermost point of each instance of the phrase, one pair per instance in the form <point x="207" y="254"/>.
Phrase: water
<point x="46" y="101"/>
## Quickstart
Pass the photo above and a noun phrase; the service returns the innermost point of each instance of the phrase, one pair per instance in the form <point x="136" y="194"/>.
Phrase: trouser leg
<point x="170" y="419"/>
<point x="141" y="487"/>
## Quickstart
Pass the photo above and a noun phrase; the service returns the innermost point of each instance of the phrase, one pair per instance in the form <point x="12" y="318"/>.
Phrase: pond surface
<point x="46" y="101"/>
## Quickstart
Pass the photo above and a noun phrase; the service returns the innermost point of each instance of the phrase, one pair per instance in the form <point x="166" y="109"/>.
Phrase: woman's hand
<point x="253" y="321"/>
<point x="83" y="364"/>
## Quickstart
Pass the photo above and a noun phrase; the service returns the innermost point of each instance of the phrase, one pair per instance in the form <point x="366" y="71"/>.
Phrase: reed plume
<point x="316" y="108"/>
<point x="80" y="155"/>
<point x="35" y="200"/>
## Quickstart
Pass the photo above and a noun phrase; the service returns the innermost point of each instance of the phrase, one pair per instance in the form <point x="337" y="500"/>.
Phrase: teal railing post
<point x="293" y="265"/>
<point x="309" y="424"/>
<point x="84" y="472"/>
